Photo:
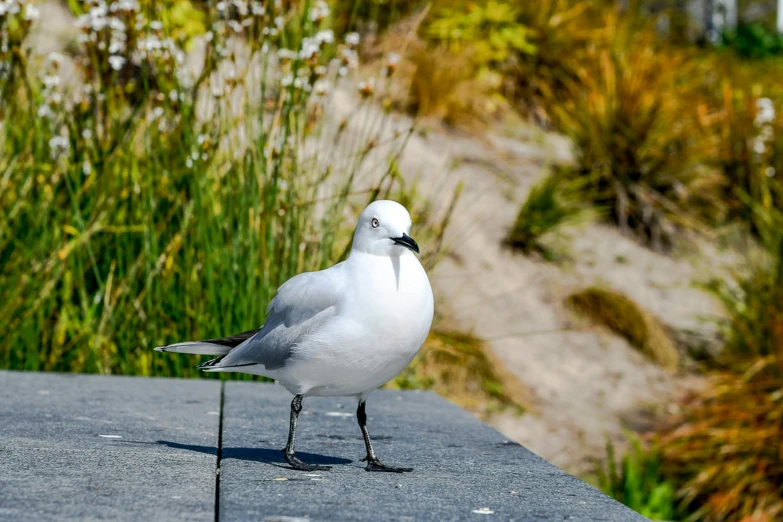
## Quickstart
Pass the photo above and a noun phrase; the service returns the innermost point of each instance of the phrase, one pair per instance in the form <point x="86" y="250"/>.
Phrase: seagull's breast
<point x="394" y="294"/>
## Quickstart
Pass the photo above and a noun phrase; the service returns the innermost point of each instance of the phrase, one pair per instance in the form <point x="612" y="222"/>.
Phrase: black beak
<point x="406" y="241"/>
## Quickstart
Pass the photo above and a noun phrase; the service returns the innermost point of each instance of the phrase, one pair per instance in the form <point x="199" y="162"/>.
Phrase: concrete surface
<point x="76" y="447"/>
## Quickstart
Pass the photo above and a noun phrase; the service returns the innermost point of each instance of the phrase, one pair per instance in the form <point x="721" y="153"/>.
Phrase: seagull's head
<point x="384" y="229"/>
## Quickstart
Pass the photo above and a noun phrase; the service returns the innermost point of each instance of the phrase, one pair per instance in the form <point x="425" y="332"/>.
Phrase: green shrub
<point x="753" y="297"/>
<point x="747" y="147"/>
<point x="636" y="136"/>
<point x="490" y="29"/>
<point x="638" y="482"/>
<point x="527" y="52"/>
<point x="753" y="41"/>
<point x="550" y="205"/>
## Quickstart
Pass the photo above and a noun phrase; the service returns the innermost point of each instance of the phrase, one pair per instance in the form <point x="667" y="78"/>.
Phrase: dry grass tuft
<point x="444" y="86"/>
<point x="725" y="450"/>
<point x="627" y="319"/>
<point x="462" y="368"/>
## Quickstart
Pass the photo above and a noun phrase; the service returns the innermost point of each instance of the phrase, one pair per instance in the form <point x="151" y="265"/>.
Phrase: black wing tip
<point x="209" y="363"/>
<point x="234" y="340"/>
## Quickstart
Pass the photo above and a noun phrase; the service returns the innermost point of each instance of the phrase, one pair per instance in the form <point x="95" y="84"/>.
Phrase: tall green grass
<point x="159" y="180"/>
<point x="638" y="481"/>
<point x="550" y="206"/>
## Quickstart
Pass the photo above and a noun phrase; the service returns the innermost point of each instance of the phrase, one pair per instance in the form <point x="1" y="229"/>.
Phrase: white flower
<point x="321" y="88"/>
<point x="116" y="46"/>
<point x="116" y="25"/>
<point x="257" y="9"/>
<point x="221" y="6"/>
<point x="326" y="36"/>
<point x="151" y="43"/>
<point x="55" y="58"/>
<point x="209" y="36"/>
<point x="31" y="12"/>
<point x="51" y="80"/>
<point x="287" y="80"/>
<point x="189" y="163"/>
<point x="173" y="95"/>
<point x="156" y="113"/>
<point x="116" y="62"/>
<point x="156" y="25"/>
<point x="352" y="38"/>
<point x="9" y="7"/>
<point x="319" y="11"/>
<point x="58" y="145"/>
<point x="44" y="111"/>
<point x="86" y="168"/>
<point x="310" y="46"/>
<point x="241" y="6"/>
<point x="125" y="5"/>
<point x="766" y="111"/>
<point x="87" y="134"/>
<point x="286" y="54"/>
<point x="393" y="59"/>
<point x="236" y="26"/>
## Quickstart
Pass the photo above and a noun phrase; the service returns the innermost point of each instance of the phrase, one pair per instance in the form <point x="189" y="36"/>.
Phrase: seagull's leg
<point x="290" y="456"/>
<point x="373" y="464"/>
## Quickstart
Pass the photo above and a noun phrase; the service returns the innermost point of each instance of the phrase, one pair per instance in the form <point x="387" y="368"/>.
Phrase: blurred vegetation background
<point x="178" y="160"/>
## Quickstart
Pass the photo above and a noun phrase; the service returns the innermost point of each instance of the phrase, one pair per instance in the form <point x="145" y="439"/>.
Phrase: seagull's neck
<point x="360" y="256"/>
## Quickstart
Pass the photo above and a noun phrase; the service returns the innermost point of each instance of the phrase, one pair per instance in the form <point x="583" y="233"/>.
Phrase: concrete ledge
<point x="74" y="447"/>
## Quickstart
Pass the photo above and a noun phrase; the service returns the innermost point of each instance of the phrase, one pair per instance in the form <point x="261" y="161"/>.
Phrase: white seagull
<point x="342" y="331"/>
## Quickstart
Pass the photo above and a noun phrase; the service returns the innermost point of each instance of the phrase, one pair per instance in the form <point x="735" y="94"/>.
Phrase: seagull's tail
<point x="196" y="347"/>
<point x="219" y="346"/>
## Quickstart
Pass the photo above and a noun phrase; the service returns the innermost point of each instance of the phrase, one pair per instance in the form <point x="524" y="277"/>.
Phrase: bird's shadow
<point x="272" y="456"/>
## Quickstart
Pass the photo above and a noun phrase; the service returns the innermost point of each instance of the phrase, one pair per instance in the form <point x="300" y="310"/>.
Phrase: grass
<point x="549" y="207"/>
<point x="747" y="146"/>
<point x="723" y="451"/>
<point x="635" y="144"/>
<point x="627" y="319"/>
<point x="460" y="366"/>
<point x="638" y="481"/>
<point x="740" y="416"/>
<point x="146" y="201"/>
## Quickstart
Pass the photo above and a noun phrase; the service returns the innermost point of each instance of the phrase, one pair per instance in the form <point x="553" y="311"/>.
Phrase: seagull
<point x="342" y="331"/>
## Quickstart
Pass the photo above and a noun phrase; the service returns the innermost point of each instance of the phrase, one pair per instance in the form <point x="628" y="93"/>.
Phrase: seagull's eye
<point x="375" y="223"/>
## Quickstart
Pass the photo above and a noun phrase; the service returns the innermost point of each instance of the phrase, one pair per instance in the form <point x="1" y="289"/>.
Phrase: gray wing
<point x="301" y="306"/>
